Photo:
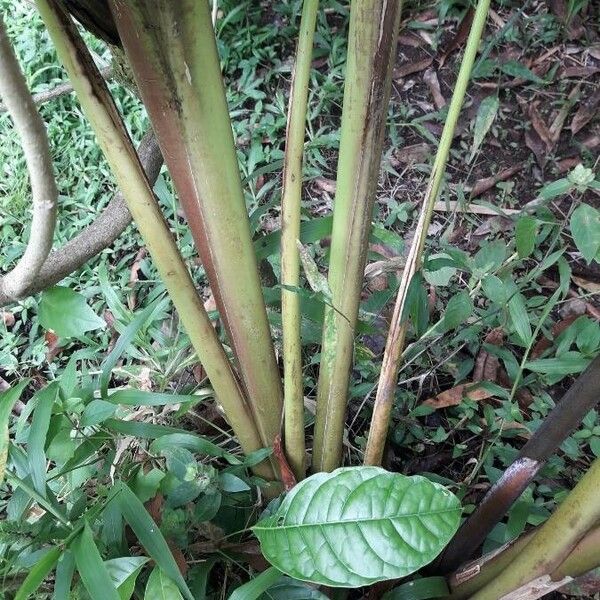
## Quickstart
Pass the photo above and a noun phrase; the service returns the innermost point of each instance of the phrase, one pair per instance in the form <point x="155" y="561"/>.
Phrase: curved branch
<point x="32" y="131"/>
<point x="98" y="235"/>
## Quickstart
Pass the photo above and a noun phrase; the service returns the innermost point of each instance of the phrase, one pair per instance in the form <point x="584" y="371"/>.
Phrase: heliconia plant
<point x="342" y="526"/>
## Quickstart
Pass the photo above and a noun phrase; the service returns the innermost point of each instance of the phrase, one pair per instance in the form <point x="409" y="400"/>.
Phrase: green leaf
<point x="231" y="483"/>
<point x="64" y="576"/>
<point x="486" y="113"/>
<point x="7" y="400"/>
<point x="38" y="573"/>
<point x="556" y="188"/>
<point x="149" y="535"/>
<point x="458" y="310"/>
<point x="67" y="313"/>
<point x="125" y="339"/>
<point x="515" y="69"/>
<point x="495" y="289"/>
<point x="161" y="587"/>
<point x="91" y="568"/>
<point x="287" y="588"/>
<point x="525" y="234"/>
<point x="357" y="526"/>
<point x="132" y="397"/>
<point x="585" y="227"/>
<point x="419" y="589"/>
<point x="192" y="442"/>
<point x="518" y="316"/>
<point x="96" y="412"/>
<point x="37" y="436"/>
<point x="257" y="585"/>
<point x="565" y="364"/>
<point x="123" y="572"/>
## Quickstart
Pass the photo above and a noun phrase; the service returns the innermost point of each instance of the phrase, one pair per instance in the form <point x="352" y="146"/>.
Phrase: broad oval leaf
<point x="161" y="587"/>
<point x="585" y="227"/>
<point x="66" y="312"/>
<point x="357" y="526"/>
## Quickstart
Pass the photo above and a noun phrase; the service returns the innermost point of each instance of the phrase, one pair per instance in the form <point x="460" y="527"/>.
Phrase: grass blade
<point x="7" y="400"/>
<point x="38" y="573"/>
<point x="64" y="576"/>
<point x="149" y="535"/>
<point x="257" y="585"/>
<point x="91" y="568"/>
<point x="37" y="436"/>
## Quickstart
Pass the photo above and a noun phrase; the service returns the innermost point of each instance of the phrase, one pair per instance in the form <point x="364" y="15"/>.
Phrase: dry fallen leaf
<point x="7" y="318"/>
<point x="409" y="68"/>
<point x="586" y="112"/>
<point x="540" y="126"/>
<point x="487" y="183"/>
<point x="486" y="364"/>
<point x="459" y="38"/>
<point x="588" y="286"/>
<point x="455" y="395"/>
<point x="477" y="209"/>
<point x="544" y="343"/>
<point x="431" y="79"/>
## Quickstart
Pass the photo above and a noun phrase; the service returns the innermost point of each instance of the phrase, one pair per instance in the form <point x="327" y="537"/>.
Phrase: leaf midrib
<point x="366" y="520"/>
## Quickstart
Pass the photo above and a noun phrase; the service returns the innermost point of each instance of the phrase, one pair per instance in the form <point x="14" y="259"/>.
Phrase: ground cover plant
<point x="374" y="243"/>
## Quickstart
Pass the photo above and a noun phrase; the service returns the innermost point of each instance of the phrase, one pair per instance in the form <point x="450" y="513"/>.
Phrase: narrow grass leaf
<point x="194" y="443"/>
<point x="257" y="585"/>
<point x="7" y="400"/>
<point x="125" y="339"/>
<point x="517" y="311"/>
<point x="38" y="573"/>
<point x="161" y="587"/>
<point x="141" y="398"/>
<point x="91" y="568"/>
<point x="64" y="576"/>
<point x="565" y="364"/>
<point x="149" y="535"/>
<point x="37" y="436"/>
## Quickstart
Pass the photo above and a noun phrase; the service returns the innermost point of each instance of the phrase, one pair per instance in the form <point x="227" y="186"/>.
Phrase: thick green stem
<point x="115" y="143"/>
<point x="293" y="392"/>
<point x="371" y="53"/>
<point x="173" y="54"/>
<point x="386" y="389"/>
<point x="554" y="541"/>
<point x="473" y="576"/>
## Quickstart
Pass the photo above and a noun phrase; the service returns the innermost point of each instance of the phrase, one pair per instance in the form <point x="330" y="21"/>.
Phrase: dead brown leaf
<point x="487" y="183"/>
<point x="563" y="113"/>
<point x="416" y="153"/>
<point x="52" y="347"/>
<point x="7" y="318"/>
<point x="477" y="209"/>
<point x="586" y="112"/>
<point x="326" y="185"/>
<point x="459" y="38"/>
<point x="486" y="364"/>
<point x="544" y="343"/>
<point x="411" y="67"/>
<point x="134" y="277"/>
<point x="455" y="395"/>
<point x="540" y="126"/>
<point x="588" y="286"/>
<point x="431" y="79"/>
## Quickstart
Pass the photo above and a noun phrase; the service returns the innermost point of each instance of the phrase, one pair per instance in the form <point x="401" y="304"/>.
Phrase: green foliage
<point x="358" y="525"/>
